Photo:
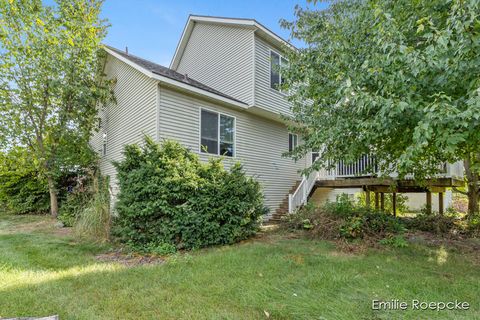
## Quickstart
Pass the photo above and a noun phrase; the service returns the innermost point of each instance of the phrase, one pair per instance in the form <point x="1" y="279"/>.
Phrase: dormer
<point x="234" y="56"/>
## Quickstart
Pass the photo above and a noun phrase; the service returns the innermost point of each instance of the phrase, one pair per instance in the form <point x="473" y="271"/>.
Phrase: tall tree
<point x="399" y="79"/>
<point x="51" y="81"/>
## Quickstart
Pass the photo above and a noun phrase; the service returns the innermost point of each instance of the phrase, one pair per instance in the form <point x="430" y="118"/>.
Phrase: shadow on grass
<point x="37" y="252"/>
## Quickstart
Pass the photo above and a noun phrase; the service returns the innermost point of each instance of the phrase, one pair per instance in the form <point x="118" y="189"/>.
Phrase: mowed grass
<point x="44" y="272"/>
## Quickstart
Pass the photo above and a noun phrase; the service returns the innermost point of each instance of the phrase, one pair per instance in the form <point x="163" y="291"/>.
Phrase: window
<point x="217" y="133"/>
<point x="104" y="146"/>
<point x="276" y="63"/>
<point x="292" y="141"/>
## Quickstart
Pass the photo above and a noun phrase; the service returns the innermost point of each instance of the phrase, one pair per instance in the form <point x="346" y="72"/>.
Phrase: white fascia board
<point x="246" y="23"/>
<point x="187" y="30"/>
<point x="179" y="84"/>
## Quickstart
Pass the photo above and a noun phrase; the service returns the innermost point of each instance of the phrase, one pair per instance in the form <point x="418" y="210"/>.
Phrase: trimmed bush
<point x="168" y="196"/>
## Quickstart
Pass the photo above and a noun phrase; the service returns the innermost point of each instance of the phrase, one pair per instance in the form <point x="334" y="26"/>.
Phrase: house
<point x="219" y="96"/>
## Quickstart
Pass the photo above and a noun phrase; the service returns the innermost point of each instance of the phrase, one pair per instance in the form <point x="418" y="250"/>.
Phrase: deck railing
<point x="365" y="166"/>
<point x="300" y="196"/>
<point x="455" y="170"/>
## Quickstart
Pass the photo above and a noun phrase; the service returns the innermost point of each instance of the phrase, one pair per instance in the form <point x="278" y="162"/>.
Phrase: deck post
<point x="376" y="200"/>
<point x="394" y="204"/>
<point x="382" y="201"/>
<point x="429" y="202"/>
<point x="440" y="203"/>
<point x="367" y="198"/>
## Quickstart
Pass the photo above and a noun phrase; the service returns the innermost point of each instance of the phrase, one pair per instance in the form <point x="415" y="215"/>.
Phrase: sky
<point x="152" y="28"/>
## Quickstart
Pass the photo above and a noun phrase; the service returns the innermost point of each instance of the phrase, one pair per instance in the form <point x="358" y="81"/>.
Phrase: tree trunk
<point x="473" y="187"/>
<point x="53" y="197"/>
<point x="472" y="203"/>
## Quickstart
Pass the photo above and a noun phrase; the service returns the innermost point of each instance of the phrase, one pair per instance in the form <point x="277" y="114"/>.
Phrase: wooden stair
<point x="282" y="210"/>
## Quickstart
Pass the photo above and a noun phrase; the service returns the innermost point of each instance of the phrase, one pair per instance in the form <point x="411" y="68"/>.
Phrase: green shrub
<point x="440" y="224"/>
<point x="22" y="189"/>
<point x="395" y="241"/>
<point x="473" y="227"/>
<point x="167" y="195"/>
<point x="345" y="219"/>
<point x="301" y="219"/>
<point x="73" y="205"/>
<point x="161" y="249"/>
<point x="370" y="223"/>
<point x="342" y="207"/>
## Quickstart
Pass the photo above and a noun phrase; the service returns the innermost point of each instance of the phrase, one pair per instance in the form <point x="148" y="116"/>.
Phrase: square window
<point x="217" y="134"/>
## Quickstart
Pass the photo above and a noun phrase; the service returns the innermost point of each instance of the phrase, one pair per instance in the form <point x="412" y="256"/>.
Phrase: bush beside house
<point x="169" y="199"/>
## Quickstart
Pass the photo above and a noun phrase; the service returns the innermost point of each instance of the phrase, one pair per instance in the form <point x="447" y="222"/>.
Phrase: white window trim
<point x="200" y="151"/>
<point x="280" y="57"/>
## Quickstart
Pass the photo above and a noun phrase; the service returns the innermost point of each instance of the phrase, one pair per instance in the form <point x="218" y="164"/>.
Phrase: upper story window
<point x="292" y="141"/>
<point x="217" y="133"/>
<point x="276" y="63"/>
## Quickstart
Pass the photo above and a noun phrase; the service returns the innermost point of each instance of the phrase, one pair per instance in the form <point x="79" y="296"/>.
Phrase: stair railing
<point x="300" y="196"/>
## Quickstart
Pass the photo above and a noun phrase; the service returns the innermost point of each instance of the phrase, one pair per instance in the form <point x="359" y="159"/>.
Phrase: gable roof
<point x="172" y="77"/>
<point x="252" y="23"/>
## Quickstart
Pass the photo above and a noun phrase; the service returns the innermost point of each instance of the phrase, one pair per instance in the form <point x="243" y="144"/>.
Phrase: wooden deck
<point x="390" y="184"/>
<point x="380" y="186"/>
<point x="364" y="173"/>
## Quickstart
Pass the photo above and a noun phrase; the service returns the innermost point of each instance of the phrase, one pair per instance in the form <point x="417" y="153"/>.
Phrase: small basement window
<point x="217" y="133"/>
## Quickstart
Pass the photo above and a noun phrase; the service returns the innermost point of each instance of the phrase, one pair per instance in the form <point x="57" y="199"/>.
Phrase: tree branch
<point x="459" y="191"/>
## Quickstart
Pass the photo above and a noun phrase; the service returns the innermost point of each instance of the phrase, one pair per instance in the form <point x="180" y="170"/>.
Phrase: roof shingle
<point x="169" y="73"/>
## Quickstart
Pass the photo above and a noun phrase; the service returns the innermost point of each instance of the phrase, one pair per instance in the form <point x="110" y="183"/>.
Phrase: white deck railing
<point x="300" y="196"/>
<point x="366" y="166"/>
<point x="455" y="170"/>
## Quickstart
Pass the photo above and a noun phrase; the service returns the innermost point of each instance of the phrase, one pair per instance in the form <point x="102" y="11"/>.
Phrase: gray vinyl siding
<point x="127" y="121"/>
<point x="221" y="57"/>
<point x="266" y="97"/>
<point x="259" y="142"/>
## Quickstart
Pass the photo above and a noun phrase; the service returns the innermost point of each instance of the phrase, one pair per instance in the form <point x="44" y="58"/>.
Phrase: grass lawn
<point x="45" y="272"/>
